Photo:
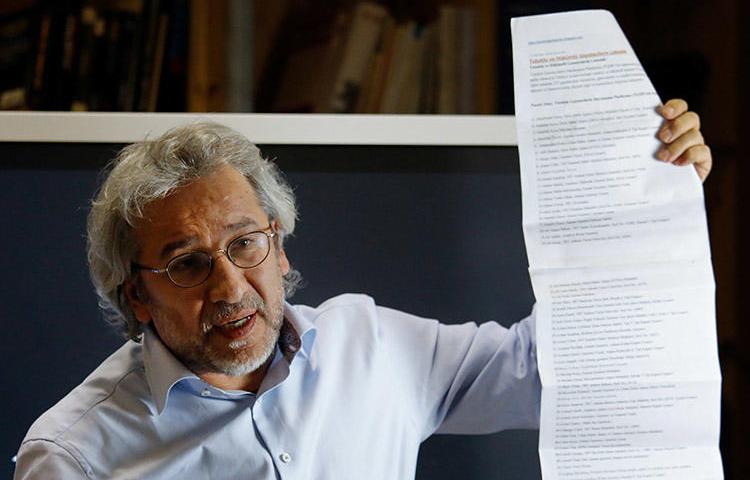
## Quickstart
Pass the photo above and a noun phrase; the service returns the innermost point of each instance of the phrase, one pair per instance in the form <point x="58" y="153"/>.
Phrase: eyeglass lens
<point x="193" y="268"/>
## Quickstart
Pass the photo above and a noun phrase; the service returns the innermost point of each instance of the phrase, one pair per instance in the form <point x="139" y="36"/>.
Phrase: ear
<point x="137" y="304"/>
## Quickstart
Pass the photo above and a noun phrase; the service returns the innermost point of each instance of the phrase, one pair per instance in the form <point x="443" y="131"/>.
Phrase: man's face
<point x="229" y="324"/>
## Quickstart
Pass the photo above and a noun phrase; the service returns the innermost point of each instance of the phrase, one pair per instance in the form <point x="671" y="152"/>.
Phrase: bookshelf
<point x="231" y="55"/>
<point x="286" y="56"/>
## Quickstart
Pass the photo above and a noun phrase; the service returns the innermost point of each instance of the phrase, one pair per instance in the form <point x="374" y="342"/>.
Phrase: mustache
<point x="223" y="311"/>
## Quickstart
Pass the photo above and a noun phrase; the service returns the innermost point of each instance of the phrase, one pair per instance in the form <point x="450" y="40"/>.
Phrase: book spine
<point x="131" y="37"/>
<point x="362" y="40"/>
<point x="206" y="67"/>
<point x="67" y="68"/>
<point x="447" y="59"/>
<point x="150" y="33"/>
<point x="47" y="83"/>
<point x="402" y="87"/>
<point x="110" y="67"/>
<point x="158" y="63"/>
<point x="96" y="72"/>
<point x="172" y="95"/>
<point x="83" y="84"/>
<point x="466" y="61"/>
<point x="428" y="86"/>
<point x="372" y="94"/>
<point x="239" y="56"/>
<point x="311" y="62"/>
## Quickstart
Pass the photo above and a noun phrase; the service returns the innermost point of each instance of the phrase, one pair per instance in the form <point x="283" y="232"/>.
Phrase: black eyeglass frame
<point x="161" y="271"/>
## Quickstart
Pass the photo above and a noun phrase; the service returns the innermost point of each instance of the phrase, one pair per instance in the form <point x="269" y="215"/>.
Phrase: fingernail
<point x="668" y="111"/>
<point x="666" y="134"/>
<point x="663" y="155"/>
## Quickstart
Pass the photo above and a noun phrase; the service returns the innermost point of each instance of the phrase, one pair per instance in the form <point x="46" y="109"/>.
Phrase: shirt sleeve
<point x="467" y="379"/>
<point x="44" y="459"/>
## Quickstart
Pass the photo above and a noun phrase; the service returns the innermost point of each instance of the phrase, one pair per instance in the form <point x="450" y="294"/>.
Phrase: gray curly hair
<point x="151" y="169"/>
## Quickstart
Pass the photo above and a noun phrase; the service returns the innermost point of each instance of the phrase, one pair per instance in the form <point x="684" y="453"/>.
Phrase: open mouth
<point x="239" y="328"/>
<point x="237" y="323"/>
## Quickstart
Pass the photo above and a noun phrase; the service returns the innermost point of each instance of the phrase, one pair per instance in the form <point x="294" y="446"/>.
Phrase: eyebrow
<point x="170" y="247"/>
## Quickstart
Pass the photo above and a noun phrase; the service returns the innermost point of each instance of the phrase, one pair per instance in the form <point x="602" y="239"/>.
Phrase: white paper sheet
<point x="619" y="261"/>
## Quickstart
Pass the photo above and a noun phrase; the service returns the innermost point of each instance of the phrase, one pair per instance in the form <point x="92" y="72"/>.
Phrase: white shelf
<point x="296" y="129"/>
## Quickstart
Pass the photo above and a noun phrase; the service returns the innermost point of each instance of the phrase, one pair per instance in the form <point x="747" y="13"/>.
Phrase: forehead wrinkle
<point x="199" y="214"/>
<point x="244" y="222"/>
<point x="171" y="236"/>
<point x="192" y="239"/>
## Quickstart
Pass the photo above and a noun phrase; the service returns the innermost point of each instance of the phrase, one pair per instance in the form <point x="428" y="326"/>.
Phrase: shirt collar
<point x="164" y="370"/>
<point x="303" y="328"/>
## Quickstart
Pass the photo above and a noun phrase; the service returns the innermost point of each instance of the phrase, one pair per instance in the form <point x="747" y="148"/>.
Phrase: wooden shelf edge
<point x="283" y="129"/>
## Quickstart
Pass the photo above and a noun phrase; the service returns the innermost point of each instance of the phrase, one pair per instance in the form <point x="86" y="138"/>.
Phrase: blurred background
<point x="392" y="56"/>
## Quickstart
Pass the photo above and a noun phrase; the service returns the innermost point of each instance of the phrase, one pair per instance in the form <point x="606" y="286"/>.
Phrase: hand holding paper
<point x="681" y="133"/>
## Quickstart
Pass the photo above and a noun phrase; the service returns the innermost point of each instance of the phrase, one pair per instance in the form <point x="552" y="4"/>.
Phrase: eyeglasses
<point x="193" y="268"/>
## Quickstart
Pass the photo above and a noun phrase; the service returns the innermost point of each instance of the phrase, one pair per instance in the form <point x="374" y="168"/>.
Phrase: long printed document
<point x="619" y="261"/>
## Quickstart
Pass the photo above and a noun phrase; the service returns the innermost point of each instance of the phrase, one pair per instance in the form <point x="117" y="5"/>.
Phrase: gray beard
<point x="234" y="367"/>
<point x="201" y="358"/>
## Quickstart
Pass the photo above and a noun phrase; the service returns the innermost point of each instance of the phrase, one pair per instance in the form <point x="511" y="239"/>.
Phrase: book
<point x="206" y="81"/>
<point x="91" y="27"/>
<point x="66" y="71"/>
<point x="96" y="74"/>
<point x="153" y="35"/>
<point x="428" y="90"/>
<point x="110" y="66"/>
<point x="401" y="92"/>
<point x="46" y="84"/>
<point x="239" y="56"/>
<point x="172" y="96"/>
<point x="130" y="54"/>
<point x="372" y="89"/>
<point x="266" y="35"/>
<point x="311" y="61"/>
<point x="158" y="63"/>
<point x="35" y="90"/>
<point x="466" y="61"/>
<point x="447" y="59"/>
<point x="367" y="24"/>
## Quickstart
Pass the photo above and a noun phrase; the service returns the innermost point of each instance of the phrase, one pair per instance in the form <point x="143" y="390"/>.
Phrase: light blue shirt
<point x="353" y="390"/>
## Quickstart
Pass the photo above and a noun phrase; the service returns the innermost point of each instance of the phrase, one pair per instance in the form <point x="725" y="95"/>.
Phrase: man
<point x="224" y="379"/>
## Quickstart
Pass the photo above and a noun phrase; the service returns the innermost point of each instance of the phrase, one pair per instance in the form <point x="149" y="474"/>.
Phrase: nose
<point x="227" y="282"/>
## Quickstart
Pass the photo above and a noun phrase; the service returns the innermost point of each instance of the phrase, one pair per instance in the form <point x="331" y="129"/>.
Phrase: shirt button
<point x="206" y="392"/>
<point x="285" y="457"/>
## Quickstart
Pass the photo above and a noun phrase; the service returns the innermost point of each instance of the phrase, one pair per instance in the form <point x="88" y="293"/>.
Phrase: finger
<point x="673" y="108"/>
<point x="671" y="151"/>
<point x="683" y="123"/>
<point x="699" y="156"/>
